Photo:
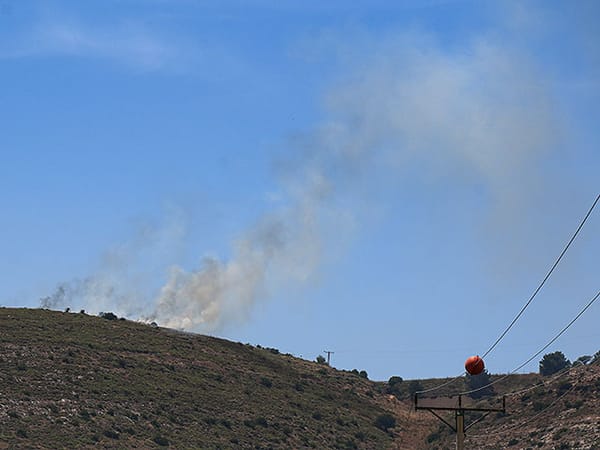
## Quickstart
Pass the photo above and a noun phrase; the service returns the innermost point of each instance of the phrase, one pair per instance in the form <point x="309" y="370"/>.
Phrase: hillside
<point x="70" y="380"/>
<point x="557" y="412"/>
<point x="562" y="413"/>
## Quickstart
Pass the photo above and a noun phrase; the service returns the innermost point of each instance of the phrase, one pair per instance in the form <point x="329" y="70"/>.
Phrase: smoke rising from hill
<point x="409" y="105"/>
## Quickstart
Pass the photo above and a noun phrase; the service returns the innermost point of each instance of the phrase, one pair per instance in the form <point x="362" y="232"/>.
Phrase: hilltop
<point x="71" y="380"/>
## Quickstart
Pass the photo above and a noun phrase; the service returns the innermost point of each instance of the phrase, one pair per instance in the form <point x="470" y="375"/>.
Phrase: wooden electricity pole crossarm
<point x="450" y="404"/>
<point x="457" y="405"/>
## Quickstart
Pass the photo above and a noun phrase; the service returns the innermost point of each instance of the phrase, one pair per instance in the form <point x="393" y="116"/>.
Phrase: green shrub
<point x="385" y="422"/>
<point x="576" y="404"/>
<point x="564" y="386"/>
<point x="395" y="380"/>
<point x="433" y="437"/>
<point x="538" y="405"/>
<point x="553" y="362"/>
<point x="111" y="434"/>
<point x="414" y="386"/>
<point x="21" y="433"/>
<point x="108" y="316"/>
<point x="161" y="440"/>
<point x="261" y="421"/>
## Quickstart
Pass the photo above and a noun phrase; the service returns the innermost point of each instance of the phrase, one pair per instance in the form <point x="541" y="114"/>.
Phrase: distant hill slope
<point x="556" y="412"/>
<point x="563" y="414"/>
<point x="69" y="380"/>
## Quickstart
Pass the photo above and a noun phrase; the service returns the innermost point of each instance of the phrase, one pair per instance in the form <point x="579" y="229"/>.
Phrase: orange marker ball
<point x="474" y="365"/>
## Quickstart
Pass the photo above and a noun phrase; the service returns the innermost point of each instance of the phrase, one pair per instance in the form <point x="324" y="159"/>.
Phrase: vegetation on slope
<point x="69" y="380"/>
<point x="542" y="412"/>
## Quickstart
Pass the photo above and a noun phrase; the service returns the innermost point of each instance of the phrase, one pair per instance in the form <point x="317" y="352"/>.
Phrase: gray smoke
<point x="483" y="113"/>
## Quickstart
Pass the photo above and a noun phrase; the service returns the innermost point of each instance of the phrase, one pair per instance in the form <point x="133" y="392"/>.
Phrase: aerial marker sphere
<point x="474" y="365"/>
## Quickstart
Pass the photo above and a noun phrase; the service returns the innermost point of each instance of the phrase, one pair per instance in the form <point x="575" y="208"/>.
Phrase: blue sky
<point x="386" y="180"/>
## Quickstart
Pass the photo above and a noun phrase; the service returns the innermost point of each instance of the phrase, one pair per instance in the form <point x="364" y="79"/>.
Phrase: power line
<point x="544" y="383"/>
<point x="543" y="411"/>
<point x="560" y="374"/>
<point x="590" y="303"/>
<point x="545" y="278"/>
<point x="435" y="388"/>
<point x="581" y="224"/>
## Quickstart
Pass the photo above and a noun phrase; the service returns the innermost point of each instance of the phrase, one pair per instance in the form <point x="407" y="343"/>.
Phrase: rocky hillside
<point x="557" y="412"/>
<point x="70" y="380"/>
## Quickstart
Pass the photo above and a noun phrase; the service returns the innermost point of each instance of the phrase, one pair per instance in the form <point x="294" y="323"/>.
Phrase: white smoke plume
<point x="483" y="113"/>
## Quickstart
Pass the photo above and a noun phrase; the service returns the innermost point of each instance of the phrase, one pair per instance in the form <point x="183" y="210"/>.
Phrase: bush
<point x="564" y="387"/>
<point x="539" y="405"/>
<point x="161" y="440"/>
<point x="433" y="437"/>
<point x="108" y="316"/>
<point x="395" y="380"/>
<point x="111" y="434"/>
<point x="385" y="422"/>
<point x="414" y="386"/>
<point x="21" y="433"/>
<point x="321" y="359"/>
<point x="583" y="360"/>
<point x="553" y="362"/>
<point x="478" y="382"/>
<point x="266" y="382"/>
<point x="261" y="421"/>
<point x="393" y="386"/>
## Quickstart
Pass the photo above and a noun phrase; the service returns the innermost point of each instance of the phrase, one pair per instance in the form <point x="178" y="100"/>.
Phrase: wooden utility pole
<point x="328" y="355"/>
<point x="459" y="405"/>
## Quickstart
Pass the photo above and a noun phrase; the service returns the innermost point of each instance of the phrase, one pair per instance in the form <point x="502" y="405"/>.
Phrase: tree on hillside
<point x="394" y="386"/>
<point x="582" y="360"/>
<point x="553" y="362"/>
<point x="477" y="383"/>
<point x="414" y="386"/>
<point x="321" y="359"/>
<point x="385" y="422"/>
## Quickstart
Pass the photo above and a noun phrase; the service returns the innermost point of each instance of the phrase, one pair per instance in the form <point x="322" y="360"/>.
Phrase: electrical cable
<point x="550" y="380"/>
<point x="554" y="377"/>
<point x="590" y="303"/>
<point x="544" y="383"/>
<point x="544" y="280"/>
<point x="435" y="388"/>
<point x="520" y="424"/>
<point x="537" y="290"/>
